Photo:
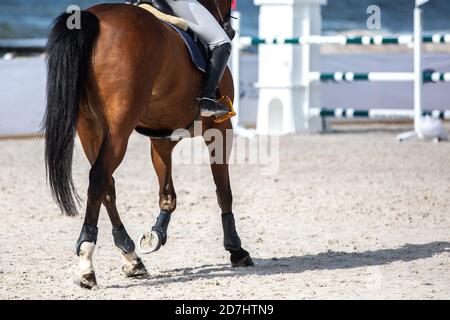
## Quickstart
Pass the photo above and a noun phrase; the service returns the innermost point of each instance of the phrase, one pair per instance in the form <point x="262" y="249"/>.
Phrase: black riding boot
<point x="209" y="105"/>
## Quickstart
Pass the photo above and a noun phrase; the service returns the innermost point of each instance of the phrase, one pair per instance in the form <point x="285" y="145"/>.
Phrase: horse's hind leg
<point x="161" y="151"/>
<point x="100" y="178"/>
<point x="132" y="264"/>
<point x="220" y="150"/>
<point x="105" y="152"/>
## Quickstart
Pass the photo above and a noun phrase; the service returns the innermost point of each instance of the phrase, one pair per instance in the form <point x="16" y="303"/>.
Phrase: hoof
<point x="150" y="242"/>
<point x="87" y="280"/>
<point x="241" y="258"/>
<point x="135" y="270"/>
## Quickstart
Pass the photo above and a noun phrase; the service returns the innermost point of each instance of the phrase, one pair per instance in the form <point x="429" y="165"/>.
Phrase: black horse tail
<point x="69" y="56"/>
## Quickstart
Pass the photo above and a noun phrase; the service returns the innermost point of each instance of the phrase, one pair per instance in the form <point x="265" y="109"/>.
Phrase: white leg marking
<point x="130" y="263"/>
<point x="86" y="253"/>
<point x="130" y="259"/>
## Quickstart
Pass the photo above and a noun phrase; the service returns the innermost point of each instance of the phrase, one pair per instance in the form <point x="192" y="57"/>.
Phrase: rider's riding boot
<point x="209" y="105"/>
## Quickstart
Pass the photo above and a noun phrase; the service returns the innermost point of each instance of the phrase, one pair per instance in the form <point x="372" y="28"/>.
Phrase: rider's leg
<point x="201" y="21"/>
<point x="214" y="73"/>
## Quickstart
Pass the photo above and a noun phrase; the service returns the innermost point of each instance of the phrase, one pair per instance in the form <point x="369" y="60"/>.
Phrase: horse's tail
<point x="69" y="56"/>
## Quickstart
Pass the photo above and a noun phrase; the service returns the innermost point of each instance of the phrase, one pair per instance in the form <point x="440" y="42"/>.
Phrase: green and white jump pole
<point x="246" y="42"/>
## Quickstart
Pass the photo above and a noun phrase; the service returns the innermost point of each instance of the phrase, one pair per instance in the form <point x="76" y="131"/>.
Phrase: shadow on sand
<point x="330" y="260"/>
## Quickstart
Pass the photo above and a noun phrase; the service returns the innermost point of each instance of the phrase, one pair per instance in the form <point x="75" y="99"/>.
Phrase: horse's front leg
<point x="152" y="240"/>
<point x="219" y="139"/>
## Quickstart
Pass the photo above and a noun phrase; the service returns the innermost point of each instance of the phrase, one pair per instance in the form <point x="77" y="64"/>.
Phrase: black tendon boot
<point x="209" y="105"/>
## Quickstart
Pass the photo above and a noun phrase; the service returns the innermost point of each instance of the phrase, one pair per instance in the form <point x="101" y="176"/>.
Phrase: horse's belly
<point x="173" y="104"/>
<point x="175" y="90"/>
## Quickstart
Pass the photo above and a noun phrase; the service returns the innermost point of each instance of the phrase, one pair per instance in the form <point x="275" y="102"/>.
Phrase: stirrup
<point x="223" y="101"/>
<point x="229" y="104"/>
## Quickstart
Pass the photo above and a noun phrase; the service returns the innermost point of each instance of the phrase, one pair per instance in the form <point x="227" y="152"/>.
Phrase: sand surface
<point x="349" y="215"/>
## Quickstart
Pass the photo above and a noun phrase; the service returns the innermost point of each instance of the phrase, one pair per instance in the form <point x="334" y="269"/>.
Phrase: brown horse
<point x="124" y="70"/>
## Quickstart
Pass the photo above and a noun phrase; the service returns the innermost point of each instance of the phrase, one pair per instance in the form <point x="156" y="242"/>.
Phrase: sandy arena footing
<point x="349" y="215"/>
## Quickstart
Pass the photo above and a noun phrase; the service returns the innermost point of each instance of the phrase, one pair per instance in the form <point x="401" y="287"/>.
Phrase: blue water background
<point x="32" y="18"/>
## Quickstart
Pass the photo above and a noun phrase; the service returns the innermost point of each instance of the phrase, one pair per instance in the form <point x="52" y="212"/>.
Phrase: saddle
<point x="198" y="50"/>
